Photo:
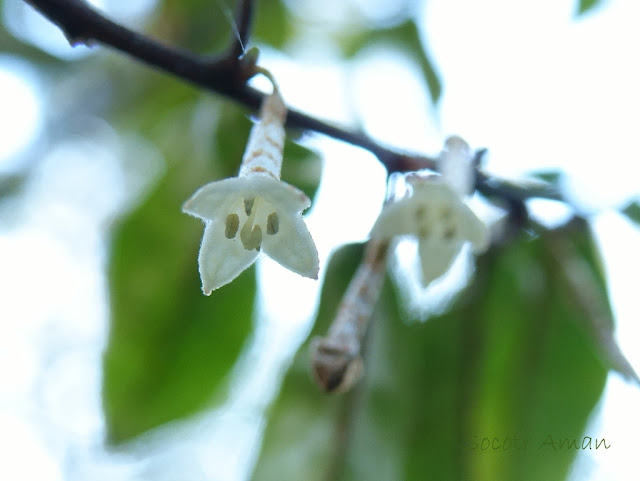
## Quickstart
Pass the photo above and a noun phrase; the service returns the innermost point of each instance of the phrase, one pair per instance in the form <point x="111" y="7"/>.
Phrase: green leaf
<point x="170" y="347"/>
<point x="272" y="23"/>
<point x="585" y="285"/>
<point x="539" y="374"/>
<point x="407" y="37"/>
<point x="11" y="185"/>
<point x="302" y="421"/>
<point x="511" y="359"/>
<point x="586" y="5"/>
<point x="231" y="135"/>
<point x="552" y="177"/>
<point x="201" y="26"/>
<point x="632" y="211"/>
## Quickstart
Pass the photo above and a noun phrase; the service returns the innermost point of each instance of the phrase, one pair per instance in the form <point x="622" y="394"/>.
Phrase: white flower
<point x="254" y="211"/>
<point x="438" y="217"/>
<point x="455" y="164"/>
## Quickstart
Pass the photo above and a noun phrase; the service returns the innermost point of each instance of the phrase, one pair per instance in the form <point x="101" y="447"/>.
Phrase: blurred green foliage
<point x="273" y="23"/>
<point x="170" y="348"/>
<point x="511" y="360"/>
<point x="404" y="36"/>
<point x="552" y="177"/>
<point x="202" y="26"/>
<point x="10" y="186"/>
<point x="586" y="5"/>
<point x="632" y="211"/>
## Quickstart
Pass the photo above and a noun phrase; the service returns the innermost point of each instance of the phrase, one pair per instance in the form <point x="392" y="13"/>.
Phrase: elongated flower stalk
<point x="263" y="154"/>
<point x="254" y="211"/>
<point x="336" y="359"/>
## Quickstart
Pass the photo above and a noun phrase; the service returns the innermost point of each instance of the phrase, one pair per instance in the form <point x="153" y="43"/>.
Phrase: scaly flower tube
<point x="437" y="216"/>
<point x="455" y="164"/>
<point x="255" y="211"/>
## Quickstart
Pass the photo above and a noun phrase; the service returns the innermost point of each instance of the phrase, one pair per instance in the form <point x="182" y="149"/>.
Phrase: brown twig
<point x="226" y="76"/>
<point x="83" y="25"/>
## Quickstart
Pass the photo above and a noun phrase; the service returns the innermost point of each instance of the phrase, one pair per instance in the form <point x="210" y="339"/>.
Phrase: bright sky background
<point x="525" y="79"/>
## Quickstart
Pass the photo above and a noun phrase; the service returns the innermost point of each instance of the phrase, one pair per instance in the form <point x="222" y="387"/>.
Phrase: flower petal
<point x="395" y="219"/>
<point x="408" y="216"/>
<point x="436" y="258"/>
<point x="292" y="246"/>
<point x="284" y="197"/>
<point x="474" y="230"/>
<point x="214" y="199"/>
<point x="221" y="260"/>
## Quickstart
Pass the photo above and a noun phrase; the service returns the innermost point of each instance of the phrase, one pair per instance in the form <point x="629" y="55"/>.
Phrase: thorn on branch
<point x="240" y="36"/>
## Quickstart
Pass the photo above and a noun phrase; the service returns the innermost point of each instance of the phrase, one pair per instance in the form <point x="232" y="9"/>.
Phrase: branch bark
<point x="225" y="75"/>
<point x="82" y="24"/>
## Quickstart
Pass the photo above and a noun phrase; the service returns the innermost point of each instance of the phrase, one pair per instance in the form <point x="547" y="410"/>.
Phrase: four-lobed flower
<point x="255" y="211"/>
<point x="436" y="214"/>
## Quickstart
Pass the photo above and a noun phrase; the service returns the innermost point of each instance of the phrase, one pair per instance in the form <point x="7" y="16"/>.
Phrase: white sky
<point x="524" y="79"/>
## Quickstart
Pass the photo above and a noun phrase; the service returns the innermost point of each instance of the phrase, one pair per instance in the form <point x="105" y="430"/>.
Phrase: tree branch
<point x="225" y="75"/>
<point x="510" y="191"/>
<point x="83" y="25"/>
